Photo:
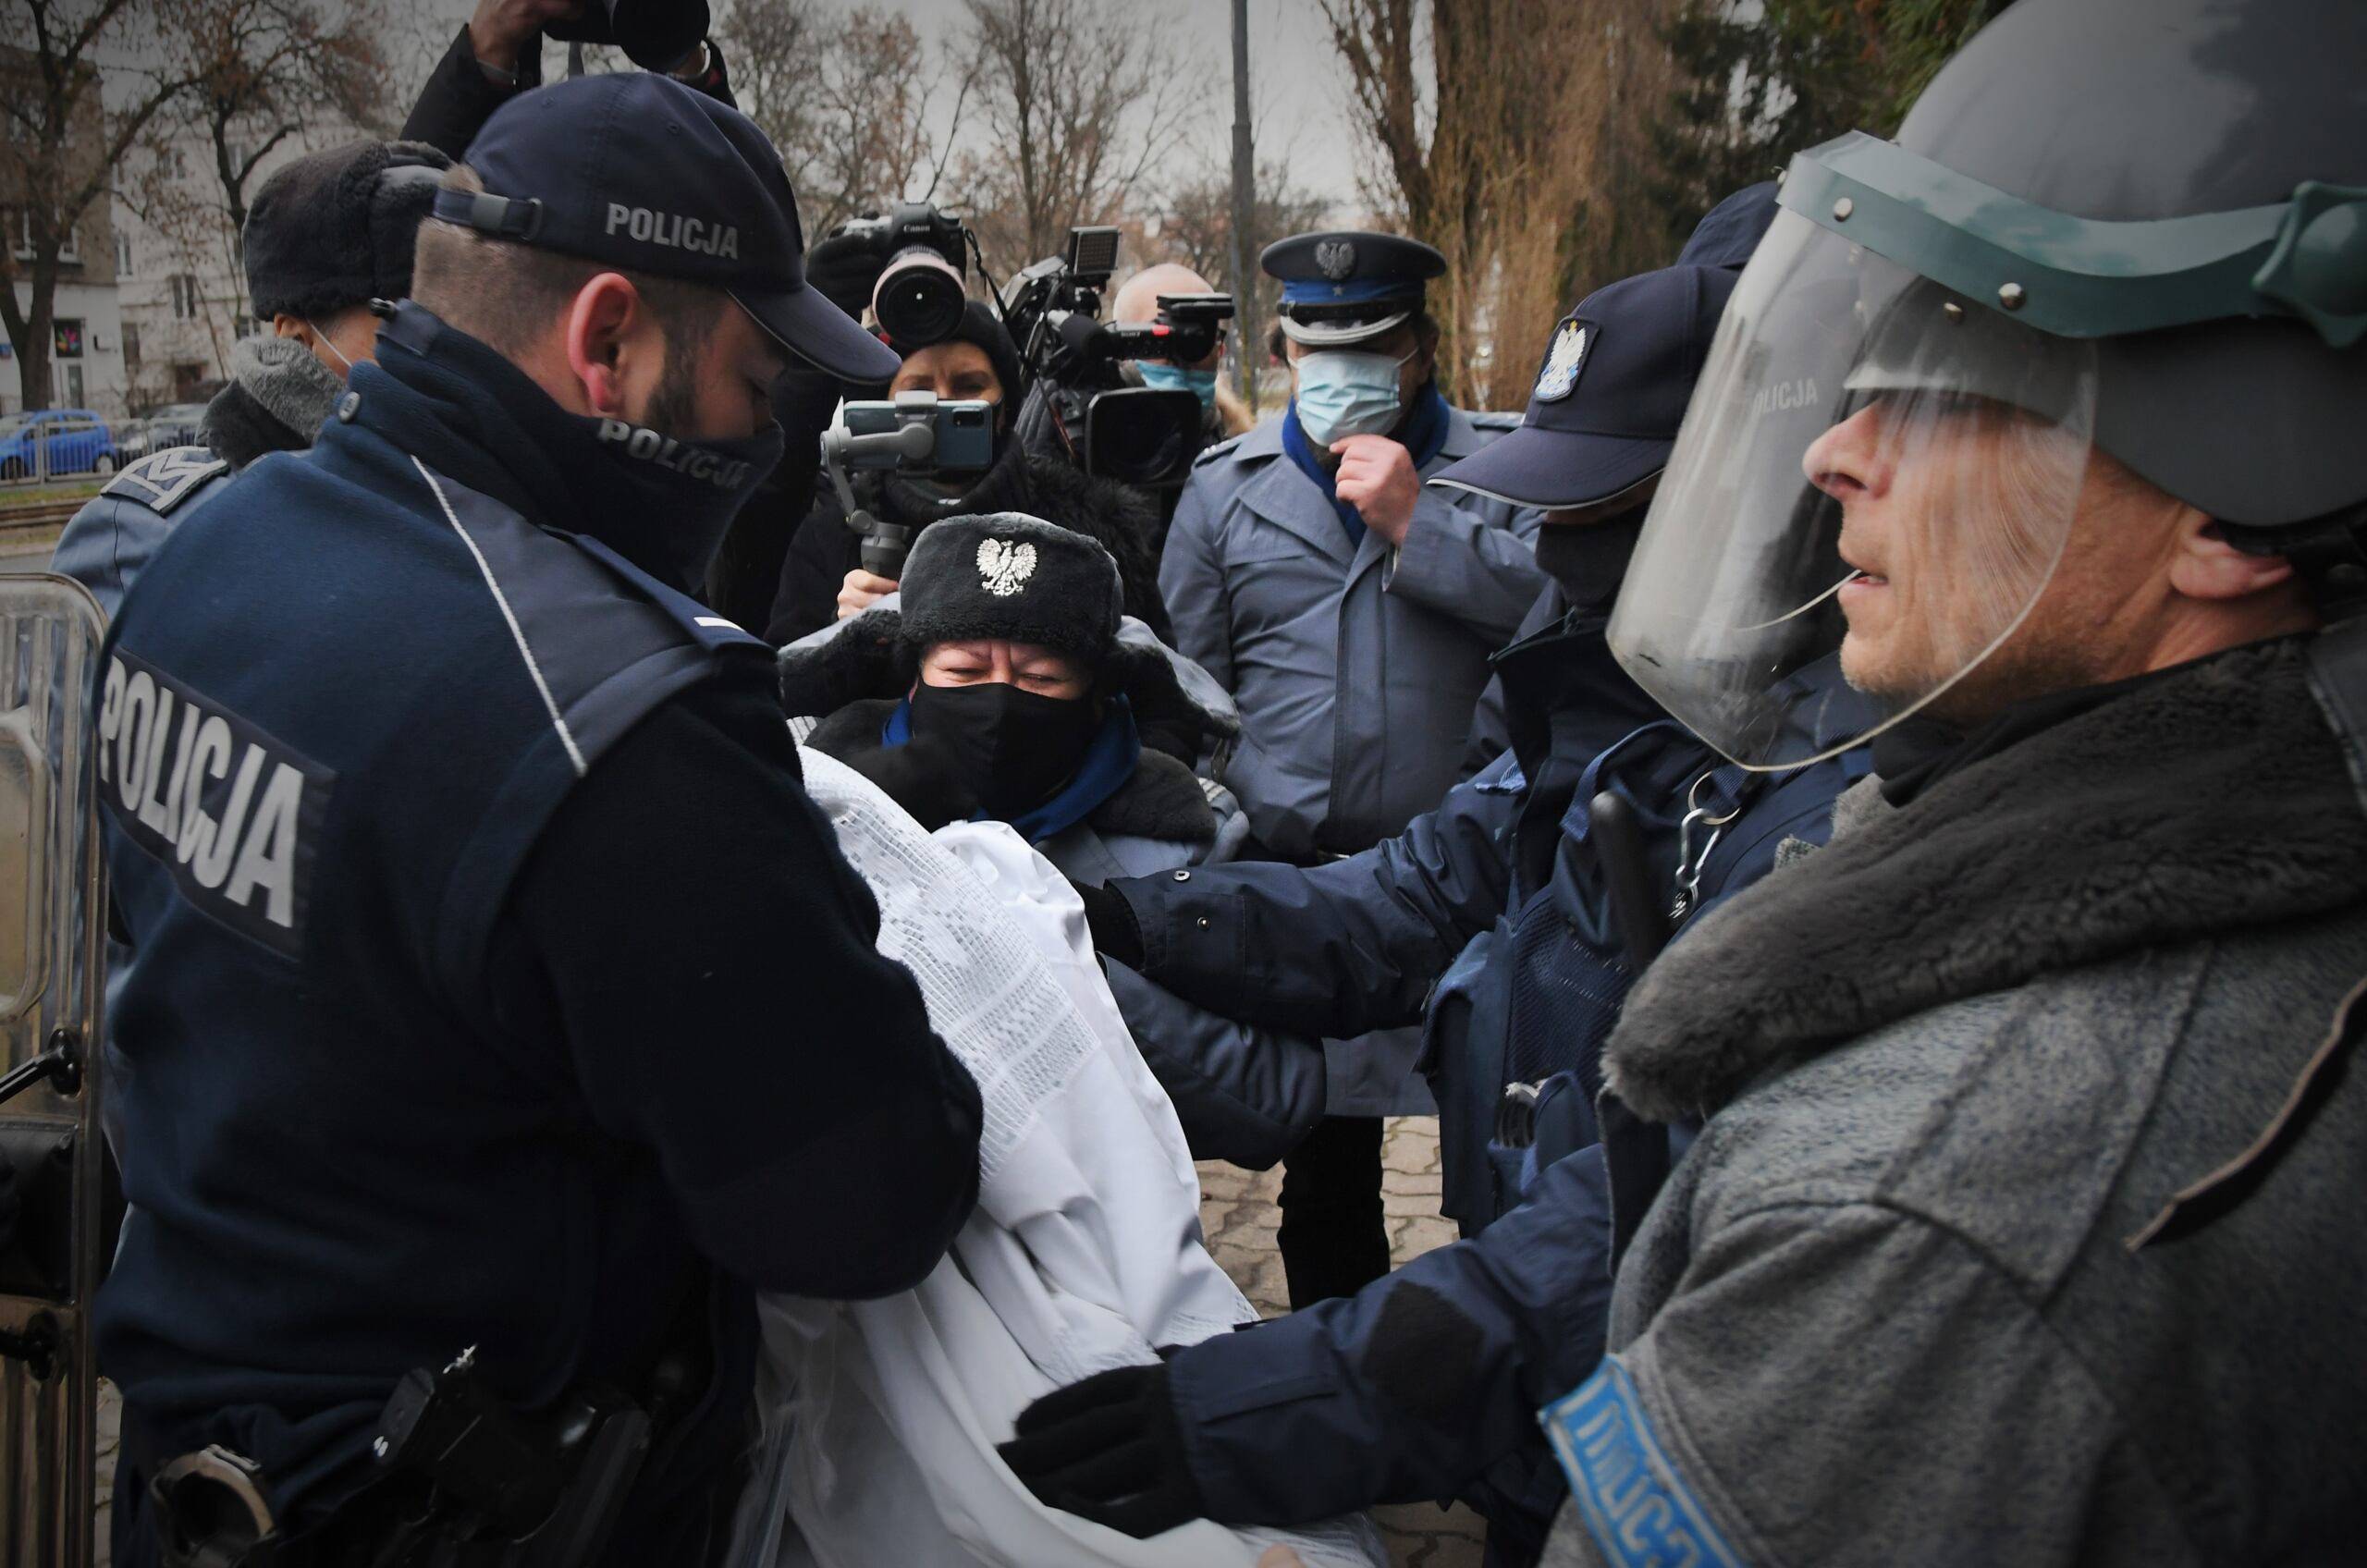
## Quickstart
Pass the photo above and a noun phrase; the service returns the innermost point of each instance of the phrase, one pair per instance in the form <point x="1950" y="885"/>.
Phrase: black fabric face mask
<point x="1014" y="748"/>
<point x="1589" y="560"/>
<point x="674" y="499"/>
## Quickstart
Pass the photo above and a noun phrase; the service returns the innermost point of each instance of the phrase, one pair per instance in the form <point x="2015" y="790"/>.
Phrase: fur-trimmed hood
<point x="2214" y="798"/>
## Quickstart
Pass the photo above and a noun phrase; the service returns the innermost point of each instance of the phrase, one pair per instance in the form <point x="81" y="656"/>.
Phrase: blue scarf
<point x="1109" y="760"/>
<point x="1422" y="433"/>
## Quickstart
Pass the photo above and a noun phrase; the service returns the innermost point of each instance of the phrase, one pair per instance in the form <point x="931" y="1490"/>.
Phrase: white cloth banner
<point x="1085" y="1252"/>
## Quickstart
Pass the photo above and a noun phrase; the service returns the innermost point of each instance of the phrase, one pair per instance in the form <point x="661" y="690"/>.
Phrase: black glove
<point x="1109" y="1449"/>
<point x="846" y="268"/>
<point x="920" y="777"/>
<point x="1116" y="933"/>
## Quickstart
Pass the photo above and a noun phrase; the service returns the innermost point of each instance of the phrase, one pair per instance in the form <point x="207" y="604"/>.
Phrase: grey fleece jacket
<point x="2026" y="1230"/>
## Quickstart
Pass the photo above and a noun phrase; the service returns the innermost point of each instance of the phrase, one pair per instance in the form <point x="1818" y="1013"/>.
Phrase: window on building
<point x="65" y="337"/>
<point x="185" y="296"/>
<point x="20" y="229"/>
<point x="123" y="255"/>
<point x="130" y="344"/>
<point x="74" y="385"/>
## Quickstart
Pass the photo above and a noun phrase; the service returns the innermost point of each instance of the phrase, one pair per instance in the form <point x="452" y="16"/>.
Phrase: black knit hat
<point x="1012" y="577"/>
<point x="336" y="228"/>
<point x="979" y="325"/>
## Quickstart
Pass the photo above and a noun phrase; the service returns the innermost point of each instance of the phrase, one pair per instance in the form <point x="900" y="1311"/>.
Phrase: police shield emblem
<point x="51" y="971"/>
<point x="1335" y="258"/>
<point x="1563" y="360"/>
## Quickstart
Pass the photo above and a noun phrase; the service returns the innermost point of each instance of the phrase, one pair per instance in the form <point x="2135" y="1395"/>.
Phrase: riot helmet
<point x="2132" y="227"/>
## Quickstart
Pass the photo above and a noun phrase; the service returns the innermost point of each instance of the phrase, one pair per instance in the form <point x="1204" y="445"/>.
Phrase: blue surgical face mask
<point x="1161" y="376"/>
<point x="1341" y="393"/>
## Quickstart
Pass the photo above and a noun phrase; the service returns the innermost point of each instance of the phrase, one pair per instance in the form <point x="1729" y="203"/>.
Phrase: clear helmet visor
<point x="1873" y="486"/>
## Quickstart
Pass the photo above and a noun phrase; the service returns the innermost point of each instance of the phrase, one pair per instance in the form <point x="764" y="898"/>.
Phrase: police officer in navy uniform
<point x="1492" y="918"/>
<point x="465" y="871"/>
<point x="1350" y="611"/>
<point x="327" y="243"/>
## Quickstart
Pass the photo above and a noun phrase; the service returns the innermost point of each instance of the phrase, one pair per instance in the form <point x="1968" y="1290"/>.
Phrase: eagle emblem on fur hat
<point x="1005" y="566"/>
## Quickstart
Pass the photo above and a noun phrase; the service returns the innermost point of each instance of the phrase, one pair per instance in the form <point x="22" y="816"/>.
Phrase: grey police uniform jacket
<point x="2026" y="1228"/>
<point x="1356" y="666"/>
<point x="121" y="528"/>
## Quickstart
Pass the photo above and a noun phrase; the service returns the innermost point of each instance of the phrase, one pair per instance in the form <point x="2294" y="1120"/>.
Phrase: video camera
<point x="1080" y="406"/>
<point x="919" y="297"/>
<point x="911" y="433"/>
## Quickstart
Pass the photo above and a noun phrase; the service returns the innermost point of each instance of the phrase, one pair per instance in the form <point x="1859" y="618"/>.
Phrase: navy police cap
<point x="1348" y="286"/>
<point x="1730" y="231"/>
<point x="636" y="170"/>
<point x="1617" y="375"/>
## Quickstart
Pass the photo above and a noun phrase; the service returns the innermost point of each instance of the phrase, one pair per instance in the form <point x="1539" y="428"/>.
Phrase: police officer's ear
<point x="2206" y="565"/>
<point x="1426" y="346"/>
<point x="616" y="348"/>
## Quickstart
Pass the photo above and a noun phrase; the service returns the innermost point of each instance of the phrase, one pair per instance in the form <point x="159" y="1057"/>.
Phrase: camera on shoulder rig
<point x="1079" y="405"/>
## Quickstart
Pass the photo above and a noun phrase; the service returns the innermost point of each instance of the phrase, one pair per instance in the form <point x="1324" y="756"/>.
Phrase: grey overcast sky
<point x="1299" y="92"/>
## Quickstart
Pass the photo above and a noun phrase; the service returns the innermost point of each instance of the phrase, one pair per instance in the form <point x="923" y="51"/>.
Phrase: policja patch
<point x="232" y="812"/>
<point x="1563" y="360"/>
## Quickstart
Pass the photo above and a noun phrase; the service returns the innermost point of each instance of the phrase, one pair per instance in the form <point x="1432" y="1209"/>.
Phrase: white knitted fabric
<point x="1085" y="1252"/>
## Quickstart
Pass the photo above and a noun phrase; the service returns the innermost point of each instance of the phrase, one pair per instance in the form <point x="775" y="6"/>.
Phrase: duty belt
<point x="459" y="1481"/>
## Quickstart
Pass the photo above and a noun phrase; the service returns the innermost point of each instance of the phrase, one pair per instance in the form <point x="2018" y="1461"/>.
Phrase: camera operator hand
<point x="499" y="31"/>
<point x="1377" y="477"/>
<point x="862" y="590"/>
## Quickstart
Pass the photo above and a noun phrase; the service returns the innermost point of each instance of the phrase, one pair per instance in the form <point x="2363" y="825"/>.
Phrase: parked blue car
<point x="52" y="441"/>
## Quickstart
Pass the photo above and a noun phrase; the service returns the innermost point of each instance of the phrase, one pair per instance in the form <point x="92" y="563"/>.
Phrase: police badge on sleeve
<point x="1563" y="360"/>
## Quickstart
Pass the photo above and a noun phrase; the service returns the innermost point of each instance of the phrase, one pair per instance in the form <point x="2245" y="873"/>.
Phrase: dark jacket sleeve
<point x="745" y="578"/>
<point x="690" y="929"/>
<point x="1245" y="1094"/>
<point x="1334" y="949"/>
<point x="1417" y="1386"/>
<point x="821" y="554"/>
<point x="459" y="97"/>
<point x="1492" y="733"/>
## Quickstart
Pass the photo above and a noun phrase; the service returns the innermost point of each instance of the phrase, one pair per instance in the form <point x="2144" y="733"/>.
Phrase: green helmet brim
<point x="2304" y="258"/>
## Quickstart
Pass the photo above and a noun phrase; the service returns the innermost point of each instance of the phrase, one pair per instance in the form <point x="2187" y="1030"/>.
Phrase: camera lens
<point x="919" y="299"/>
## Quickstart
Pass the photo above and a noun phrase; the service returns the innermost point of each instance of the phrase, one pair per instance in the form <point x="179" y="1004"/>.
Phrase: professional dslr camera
<point x="653" y="34"/>
<point x="918" y="298"/>
<point x="1079" y="407"/>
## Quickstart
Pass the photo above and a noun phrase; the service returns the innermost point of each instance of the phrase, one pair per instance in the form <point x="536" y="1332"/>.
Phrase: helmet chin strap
<point x="2328" y="553"/>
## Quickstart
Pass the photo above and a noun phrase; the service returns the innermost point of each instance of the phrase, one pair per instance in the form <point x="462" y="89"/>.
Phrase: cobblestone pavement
<point x="1238" y="1216"/>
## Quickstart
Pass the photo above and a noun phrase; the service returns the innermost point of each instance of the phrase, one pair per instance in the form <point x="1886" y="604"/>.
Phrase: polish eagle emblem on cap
<point x="1335" y="258"/>
<point x="1005" y="566"/>
<point x="1563" y="361"/>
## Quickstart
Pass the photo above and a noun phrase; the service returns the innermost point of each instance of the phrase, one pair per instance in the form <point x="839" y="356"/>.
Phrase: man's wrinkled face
<point x="714" y="387"/>
<point x="1953" y="512"/>
<point x="1027" y="666"/>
